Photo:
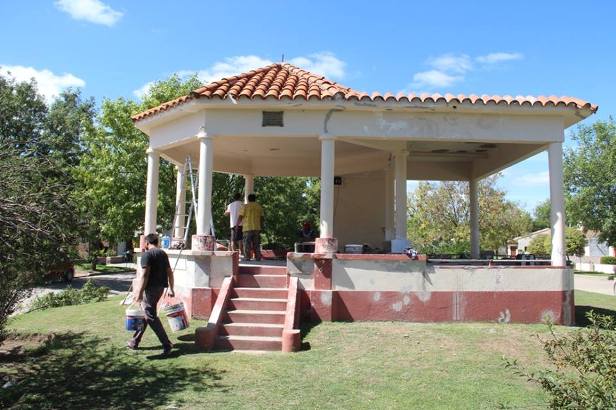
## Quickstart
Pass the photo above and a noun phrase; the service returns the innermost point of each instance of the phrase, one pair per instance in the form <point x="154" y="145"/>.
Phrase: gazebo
<point x="281" y="120"/>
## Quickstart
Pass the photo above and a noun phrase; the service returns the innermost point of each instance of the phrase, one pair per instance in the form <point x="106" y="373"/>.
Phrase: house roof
<point x="283" y="81"/>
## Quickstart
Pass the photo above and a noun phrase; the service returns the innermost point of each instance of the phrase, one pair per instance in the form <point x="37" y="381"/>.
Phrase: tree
<point x="287" y="202"/>
<point x="575" y="241"/>
<point x="439" y="217"/>
<point x="540" y="245"/>
<point x="38" y="222"/>
<point x="590" y="179"/>
<point x="541" y="215"/>
<point x="112" y="176"/>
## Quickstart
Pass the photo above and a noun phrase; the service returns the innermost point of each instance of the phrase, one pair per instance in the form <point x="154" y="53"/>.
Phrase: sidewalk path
<point x="598" y="284"/>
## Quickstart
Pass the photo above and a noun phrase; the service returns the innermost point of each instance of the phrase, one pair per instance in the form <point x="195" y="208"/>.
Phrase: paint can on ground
<point x="135" y="318"/>
<point x="176" y="316"/>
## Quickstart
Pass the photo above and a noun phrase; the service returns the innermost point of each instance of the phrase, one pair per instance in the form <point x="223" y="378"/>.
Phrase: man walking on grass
<point x="251" y="218"/>
<point x="156" y="276"/>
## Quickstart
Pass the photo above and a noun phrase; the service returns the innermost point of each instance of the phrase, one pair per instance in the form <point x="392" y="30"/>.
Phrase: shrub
<point x="583" y="375"/>
<point x="608" y="260"/>
<point x="89" y="293"/>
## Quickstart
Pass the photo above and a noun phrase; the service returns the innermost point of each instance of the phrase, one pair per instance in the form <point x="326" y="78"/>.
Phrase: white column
<point x="557" y="213"/>
<point x="328" y="146"/>
<point x="180" y="203"/>
<point x="151" y="192"/>
<point x="474" y="217"/>
<point x="206" y="165"/>
<point x="400" y="195"/>
<point x="249" y="186"/>
<point x="389" y="203"/>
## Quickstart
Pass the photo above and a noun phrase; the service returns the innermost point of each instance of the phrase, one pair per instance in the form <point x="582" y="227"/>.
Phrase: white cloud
<point x="141" y="91"/>
<point x="434" y="79"/>
<point x="50" y="85"/>
<point x="449" y="69"/>
<point x="93" y="11"/>
<point x="324" y="63"/>
<point x="452" y="63"/>
<point x="495" y="58"/>
<point x="229" y="67"/>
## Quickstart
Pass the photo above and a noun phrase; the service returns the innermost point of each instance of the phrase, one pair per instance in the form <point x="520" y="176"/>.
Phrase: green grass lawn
<point x="588" y="273"/>
<point x="101" y="269"/>
<point x="345" y="365"/>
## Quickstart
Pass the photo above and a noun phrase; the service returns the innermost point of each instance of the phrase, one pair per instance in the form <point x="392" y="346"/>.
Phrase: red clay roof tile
<point x="283" y="81"/>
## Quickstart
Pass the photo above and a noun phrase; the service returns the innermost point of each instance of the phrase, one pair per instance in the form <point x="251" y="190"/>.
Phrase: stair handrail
<point x="291" y="338"/>
<point x="205" y="337"/>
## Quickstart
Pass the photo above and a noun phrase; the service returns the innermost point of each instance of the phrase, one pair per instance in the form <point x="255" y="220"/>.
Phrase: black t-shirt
<point x="156" y="259"/>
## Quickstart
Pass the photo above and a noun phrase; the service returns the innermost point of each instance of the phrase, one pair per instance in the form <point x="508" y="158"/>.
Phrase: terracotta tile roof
<point x="283" y="81"/>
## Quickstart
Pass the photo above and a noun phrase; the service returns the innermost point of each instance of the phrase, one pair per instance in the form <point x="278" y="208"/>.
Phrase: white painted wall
<point x="194" y="269"/>
<point x="359" y="209"/>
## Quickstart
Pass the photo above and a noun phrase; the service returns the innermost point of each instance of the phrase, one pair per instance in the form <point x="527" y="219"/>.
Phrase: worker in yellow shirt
<point x="251" y="218"/>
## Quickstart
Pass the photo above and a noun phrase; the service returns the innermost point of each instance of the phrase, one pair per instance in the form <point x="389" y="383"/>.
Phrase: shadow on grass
<point x="581" y="311"/>
<point x="81" y="371"/>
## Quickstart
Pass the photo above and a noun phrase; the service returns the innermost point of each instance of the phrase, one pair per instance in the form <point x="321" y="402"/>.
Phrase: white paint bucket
<point x="135" y="318"/>
<point x="176" y="316"/>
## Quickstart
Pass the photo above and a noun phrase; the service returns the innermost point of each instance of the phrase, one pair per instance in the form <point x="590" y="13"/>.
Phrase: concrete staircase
<point x="254" y="316"/>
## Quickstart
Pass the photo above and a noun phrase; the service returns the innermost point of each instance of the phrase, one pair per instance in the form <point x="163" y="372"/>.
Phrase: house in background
<point x="590" y="261"/>
<point x="521" y="243"/>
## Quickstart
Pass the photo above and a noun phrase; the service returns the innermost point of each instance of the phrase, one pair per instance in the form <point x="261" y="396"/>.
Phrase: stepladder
<point x="186" y="208"/>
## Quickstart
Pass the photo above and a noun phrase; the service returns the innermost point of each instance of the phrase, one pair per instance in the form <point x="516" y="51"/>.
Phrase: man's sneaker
<point x="131" y="345"/>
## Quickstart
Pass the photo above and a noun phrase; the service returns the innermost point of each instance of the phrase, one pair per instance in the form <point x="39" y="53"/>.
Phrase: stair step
<point x="258" y="304"/>
<point x="256" y="316"/>
<point x="262" y="270"/>
<point x="262" y="281"/>
<point x="252" y="329"/>
<point x="272" y="293"/>
<point x="267" y="343"/>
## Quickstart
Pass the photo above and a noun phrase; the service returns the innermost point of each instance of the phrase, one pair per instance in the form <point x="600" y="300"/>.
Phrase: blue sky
<point x="111" y="48"/>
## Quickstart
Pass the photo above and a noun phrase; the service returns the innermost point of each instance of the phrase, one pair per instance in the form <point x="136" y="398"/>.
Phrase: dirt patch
<point x="16" y="345"/>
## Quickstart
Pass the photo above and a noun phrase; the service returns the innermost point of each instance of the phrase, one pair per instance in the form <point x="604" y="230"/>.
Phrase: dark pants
<point x="252" y="241"/>
<point x="151" y="297"/>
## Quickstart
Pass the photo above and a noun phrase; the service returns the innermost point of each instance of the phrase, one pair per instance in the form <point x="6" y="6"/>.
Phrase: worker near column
<point x="251" y="218"/>
<point x="156" y="276"/>
<point x="233" y="210"/>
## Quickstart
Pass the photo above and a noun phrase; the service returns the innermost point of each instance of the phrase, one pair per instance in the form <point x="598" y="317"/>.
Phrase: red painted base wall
<point x="516" y="307"/>
<point x="328" y="305"/>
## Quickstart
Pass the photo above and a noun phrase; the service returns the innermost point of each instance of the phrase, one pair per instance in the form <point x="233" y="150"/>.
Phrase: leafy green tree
<point x="287" y="202"/>
<point x="22" y="114"/>
<point x="590" y="179"/>
<point x="38" y="222"/>
<point x="68" y="119"/>
<point x="575" y="241"/>
<point x="541" y="215"/>
<point x="439" y="217"/>
<point x="540" y="245"/>
<point x="113" y="173"/>
<point x="112" y="178"/>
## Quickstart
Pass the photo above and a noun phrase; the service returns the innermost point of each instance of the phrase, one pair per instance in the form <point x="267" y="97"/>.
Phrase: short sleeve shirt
<point x="158" y="262"/>
<point x="234" y="213"/>
<point x="251" y="213"/>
